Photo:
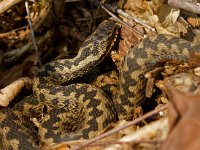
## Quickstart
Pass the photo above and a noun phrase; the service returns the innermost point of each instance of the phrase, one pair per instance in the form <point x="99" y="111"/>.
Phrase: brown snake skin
<point x="77" y="111"/>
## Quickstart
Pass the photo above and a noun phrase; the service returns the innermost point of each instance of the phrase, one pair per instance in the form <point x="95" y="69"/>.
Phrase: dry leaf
<point x="185" y="130"/>
<point x="194" y="21"/>
<point x="168" y="15"/>
<point x="155" y="130"/>
<point x="182" y="28"/>
<point x="162" y="30"/>
<point x="136" y="5"/>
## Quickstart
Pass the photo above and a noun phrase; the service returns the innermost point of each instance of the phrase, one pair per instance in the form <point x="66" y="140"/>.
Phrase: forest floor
<point x="169" y="119"/>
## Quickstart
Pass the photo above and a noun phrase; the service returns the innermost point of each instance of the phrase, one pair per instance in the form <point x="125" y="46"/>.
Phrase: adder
<point x="76" y="111"/>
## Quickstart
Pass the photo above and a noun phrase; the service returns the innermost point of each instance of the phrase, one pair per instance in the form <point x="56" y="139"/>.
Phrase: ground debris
<point x="184" y="120"/>
<point x="8" y="93"/>
<point x="60" y="29"/>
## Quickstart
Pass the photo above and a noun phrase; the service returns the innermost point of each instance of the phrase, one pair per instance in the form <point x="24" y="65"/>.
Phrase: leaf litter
<point x="60" y="35"/>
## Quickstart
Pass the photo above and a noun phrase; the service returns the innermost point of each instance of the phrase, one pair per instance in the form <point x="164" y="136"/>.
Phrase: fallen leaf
<point x="194" y="21"/>
<point x="136" y="5"/>
<point x="185" y="129"/>
<point x="168" y="15"/>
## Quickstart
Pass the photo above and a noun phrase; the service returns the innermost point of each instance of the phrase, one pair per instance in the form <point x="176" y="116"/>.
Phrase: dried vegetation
<point x="60" y="27"/>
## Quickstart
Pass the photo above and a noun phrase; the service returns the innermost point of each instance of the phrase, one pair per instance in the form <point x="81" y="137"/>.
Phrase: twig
<point x="121" y="12"/>
<point x="186" y="5"/>
<point x="145" y="116"/>
<point x="156" y="130"/>
<point x="139" y="34"/>
<point x="4" y="35"/>
<point x="32" y="33"/>
<point x="89" y="18"/>
<point x="151" y="76"/>
<point x="8" y="93"/>
<point x="122" y="142"/>
<point x="157" y="141"/>
<point x="7" y="4"/>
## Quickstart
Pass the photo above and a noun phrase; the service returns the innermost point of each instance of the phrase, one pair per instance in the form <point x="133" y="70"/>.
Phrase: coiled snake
<point x="77" y="111"/>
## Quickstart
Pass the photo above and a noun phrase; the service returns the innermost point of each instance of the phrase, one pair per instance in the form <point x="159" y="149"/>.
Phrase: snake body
<point x="77" y="111"/>
<point x="148" y="54"/>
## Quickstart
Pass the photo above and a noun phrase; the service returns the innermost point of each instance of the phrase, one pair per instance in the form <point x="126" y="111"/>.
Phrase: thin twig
<point x="89" y="18"/>
<point x="4" y="35"/>
<point x="32" y="33"/>
<point x="145" y="116"/>
<point x="107" y="143"/>
<point x="139" y="34"/>
<point x="122" y="142"/>
<point x="69" y="1"/>
<point x="148" y="132"/>
<point x="137" y="20"/>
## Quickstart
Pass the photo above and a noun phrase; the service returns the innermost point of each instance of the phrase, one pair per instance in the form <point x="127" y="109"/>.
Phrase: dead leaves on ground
<point x="185" y="123"/>
<point x="168" y="20"/>
<point x="162" y="18"/>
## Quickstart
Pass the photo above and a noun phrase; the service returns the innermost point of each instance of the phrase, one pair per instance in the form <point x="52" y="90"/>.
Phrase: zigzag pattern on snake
<point x="77" y="111"/>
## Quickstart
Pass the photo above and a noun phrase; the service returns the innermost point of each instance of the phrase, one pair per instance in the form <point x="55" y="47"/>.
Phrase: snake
<point x="58" y="111"/>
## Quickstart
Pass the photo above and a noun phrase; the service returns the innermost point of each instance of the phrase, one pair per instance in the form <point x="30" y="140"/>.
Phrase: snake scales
<point x="81" y="110"/>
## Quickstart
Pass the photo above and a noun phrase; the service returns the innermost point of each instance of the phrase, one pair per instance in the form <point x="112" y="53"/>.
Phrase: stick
<point x="140" y="34"/>
<point x="137" y="20"/>
<point x="7" y="4"/>
<point x="186" y="5"/>
<point x="32" y="33"/>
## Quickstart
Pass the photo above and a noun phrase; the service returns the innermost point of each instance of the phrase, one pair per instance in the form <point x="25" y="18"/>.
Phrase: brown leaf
<point x="195" y="59"/>
<point x="136" y="5"/>
<point x="168" y="15"/>
<point x="194" y="21"/>
<point x="185" y="132"/>
<point x="151" y="75"/>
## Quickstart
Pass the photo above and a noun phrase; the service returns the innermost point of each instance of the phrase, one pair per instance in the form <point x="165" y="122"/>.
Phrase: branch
<point x="7" y="4"/>
<point x="185" y="5"/>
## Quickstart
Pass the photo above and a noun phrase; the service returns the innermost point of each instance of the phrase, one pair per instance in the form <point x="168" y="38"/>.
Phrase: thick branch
<point x="7" y="4"/>
<point x="186" y="5"/>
